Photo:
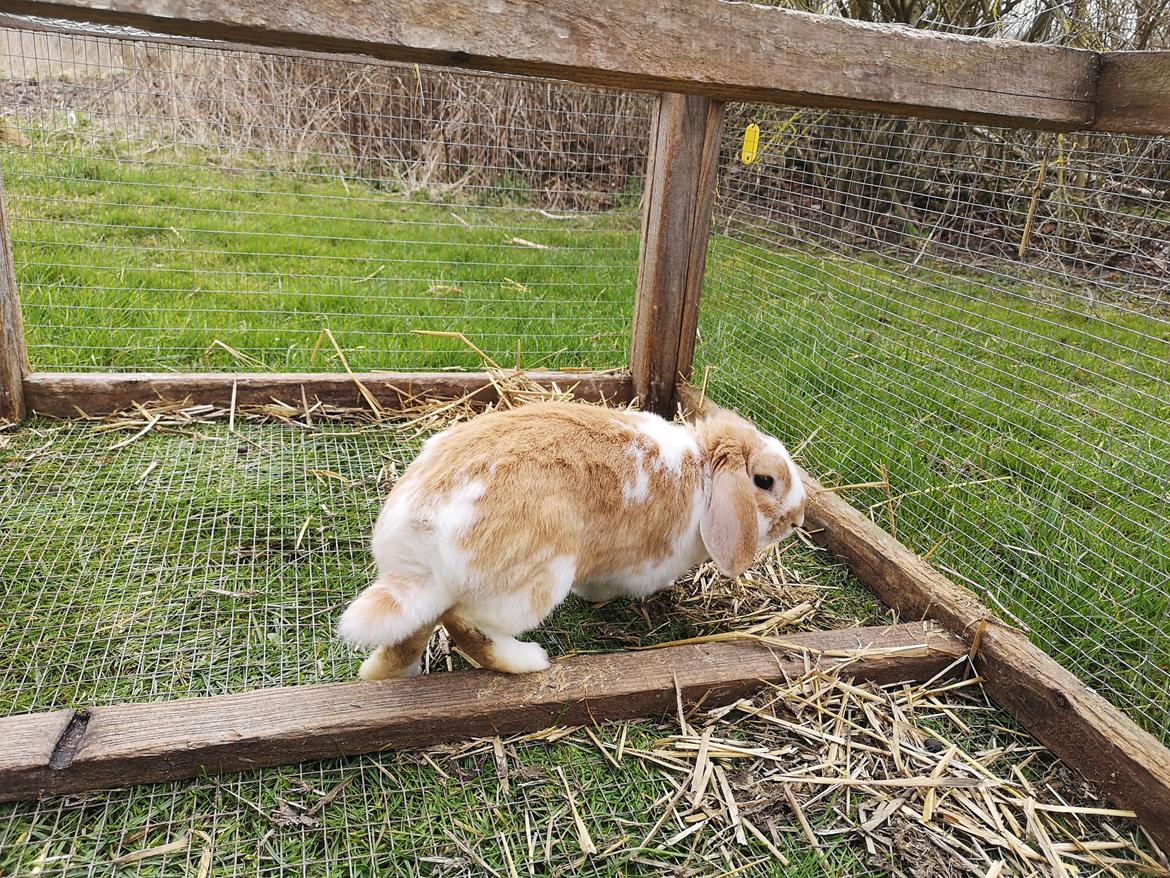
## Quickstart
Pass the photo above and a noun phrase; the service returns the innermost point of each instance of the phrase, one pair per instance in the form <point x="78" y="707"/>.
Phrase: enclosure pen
<point x="253" y="255"/>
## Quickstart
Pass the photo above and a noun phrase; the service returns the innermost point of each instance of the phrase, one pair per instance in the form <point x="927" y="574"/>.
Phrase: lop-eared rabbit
<point x="500" y="517"/>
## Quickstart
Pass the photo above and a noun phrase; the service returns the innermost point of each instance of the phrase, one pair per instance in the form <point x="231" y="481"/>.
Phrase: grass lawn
<point x="144" y="264"/>
<point x="1025" y="440"/>
<point x="210" y="562"/>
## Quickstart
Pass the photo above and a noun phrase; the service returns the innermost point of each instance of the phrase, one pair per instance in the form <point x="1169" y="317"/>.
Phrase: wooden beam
<point x="1133" y="93"/>
<point x="68" y="752"/>
<point x="13" y="355"/>
<point x="77" y="394"/>
<point x="1072" y="721"/>
<point x="731" y="51"/>
<point x="681" y="172"/>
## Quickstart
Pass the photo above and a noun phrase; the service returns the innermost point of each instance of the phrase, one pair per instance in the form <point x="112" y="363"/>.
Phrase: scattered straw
<point x="918" y="775"/>
<point x="174" y="847"/>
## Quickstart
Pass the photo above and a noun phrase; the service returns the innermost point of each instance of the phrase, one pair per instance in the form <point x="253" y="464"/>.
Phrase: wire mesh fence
<point x="978" y="320"/>
<point x="187" y="206"/>
<point x="203" y="560"/>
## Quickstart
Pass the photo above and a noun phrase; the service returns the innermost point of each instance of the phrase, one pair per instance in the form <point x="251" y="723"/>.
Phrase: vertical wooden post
<point x="13" y="356"/>
<point x="676" y="220"/>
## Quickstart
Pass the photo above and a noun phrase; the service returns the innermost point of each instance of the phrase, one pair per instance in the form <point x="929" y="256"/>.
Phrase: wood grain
<point x="1133" y="93"/>
<point x="76" y="394"/>
<point x="13" y="355"/>
<point x="680" y="184"/>
<point x="107" y="747"/>
<point x="731" y="51"/>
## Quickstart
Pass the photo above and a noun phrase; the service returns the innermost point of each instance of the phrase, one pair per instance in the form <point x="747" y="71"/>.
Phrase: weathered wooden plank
<point x="680" y="185"/>
<point x="700" y="234"/>
<point x="27" y="745"/>
<point x="76" y="394"/>
<point x="732" y="51"/>
<point x="1133" y="93"/>
<point x="13" y="355"/>
<point x="147" y="743"/>
<point x="1075" y="723"/>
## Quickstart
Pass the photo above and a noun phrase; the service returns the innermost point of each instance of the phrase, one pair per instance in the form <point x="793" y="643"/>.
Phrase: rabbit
<point x="500" y="517"/>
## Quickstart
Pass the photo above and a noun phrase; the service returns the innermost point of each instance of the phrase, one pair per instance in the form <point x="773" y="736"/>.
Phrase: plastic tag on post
<point x="751" y="144"/>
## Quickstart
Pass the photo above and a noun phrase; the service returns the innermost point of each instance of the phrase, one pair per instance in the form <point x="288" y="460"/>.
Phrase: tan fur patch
<point x="378" y="601"/>
<point x="470" y="639"/>
<point x="554" y="476"/>
<point x="390" y="661"/>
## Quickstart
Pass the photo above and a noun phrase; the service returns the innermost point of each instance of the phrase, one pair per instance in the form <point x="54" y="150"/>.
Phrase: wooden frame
<point x="13" y="356"/>
<point x="701" y="52"/>
<point x="739" y="52"/>
<point x="1075" y="723"/>
<point x="65" y="751"/>
<point x="72" y="395"/>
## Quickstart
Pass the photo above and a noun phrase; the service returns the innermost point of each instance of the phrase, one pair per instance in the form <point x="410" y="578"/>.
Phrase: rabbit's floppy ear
<point x="728" y="524"/>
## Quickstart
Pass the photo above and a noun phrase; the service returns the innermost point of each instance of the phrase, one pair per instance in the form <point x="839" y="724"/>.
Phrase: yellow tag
<point x="751" y="144"/>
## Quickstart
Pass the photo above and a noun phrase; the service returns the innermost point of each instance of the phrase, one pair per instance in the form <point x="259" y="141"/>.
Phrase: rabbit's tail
<point x="390" y="611"/>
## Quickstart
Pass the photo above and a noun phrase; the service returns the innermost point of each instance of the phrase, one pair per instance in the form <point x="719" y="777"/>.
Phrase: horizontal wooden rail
<point x="80" y="394"/>
<point x="734" y="51"/>
<point x="66" y="751"/>
<point x="1071" y="720"/>
<point x="1133" y="93"/>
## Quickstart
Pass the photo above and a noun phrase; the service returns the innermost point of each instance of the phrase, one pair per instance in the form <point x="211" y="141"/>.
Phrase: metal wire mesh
<point x="213" y="561"/>
<point x="977" y="318"/>
<point x="186" y="205"/>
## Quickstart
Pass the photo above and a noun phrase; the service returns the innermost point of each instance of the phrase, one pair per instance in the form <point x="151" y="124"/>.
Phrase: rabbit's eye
<point x="764" y="483"/>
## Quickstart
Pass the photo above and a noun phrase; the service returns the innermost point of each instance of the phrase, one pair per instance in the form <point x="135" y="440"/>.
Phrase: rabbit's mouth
<point x="779" y="532"/>
<point x="782" y="529"/>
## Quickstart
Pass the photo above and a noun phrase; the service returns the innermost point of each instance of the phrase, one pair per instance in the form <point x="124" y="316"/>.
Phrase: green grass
<point x="209" y="562"/>
<point x="144" y="263"/>
<point x="1028" y="435"/>
<point x="205" y="563"/>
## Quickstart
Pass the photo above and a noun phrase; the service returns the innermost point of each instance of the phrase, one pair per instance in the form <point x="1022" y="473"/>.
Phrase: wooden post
<point x="676" y="219"/>
<point x="13" y="356"/>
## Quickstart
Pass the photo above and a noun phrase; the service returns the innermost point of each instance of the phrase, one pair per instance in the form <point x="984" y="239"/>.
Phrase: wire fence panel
<point x="979" y="321"/>
<point x="187" y="206"/>
<point x="201" y="559"/>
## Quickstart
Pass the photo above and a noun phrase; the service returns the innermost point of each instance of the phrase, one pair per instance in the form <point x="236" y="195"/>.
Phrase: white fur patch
<point x="518" y="656"/>
<point x="563" y="569"/>
<point x="795" y="495"/>
<point x="458" y="512"/>
<point x="673" y="442"/>
<point x="366" y="621"/>
<point x="762" y="524"/>
<point x="639" y="490"/>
